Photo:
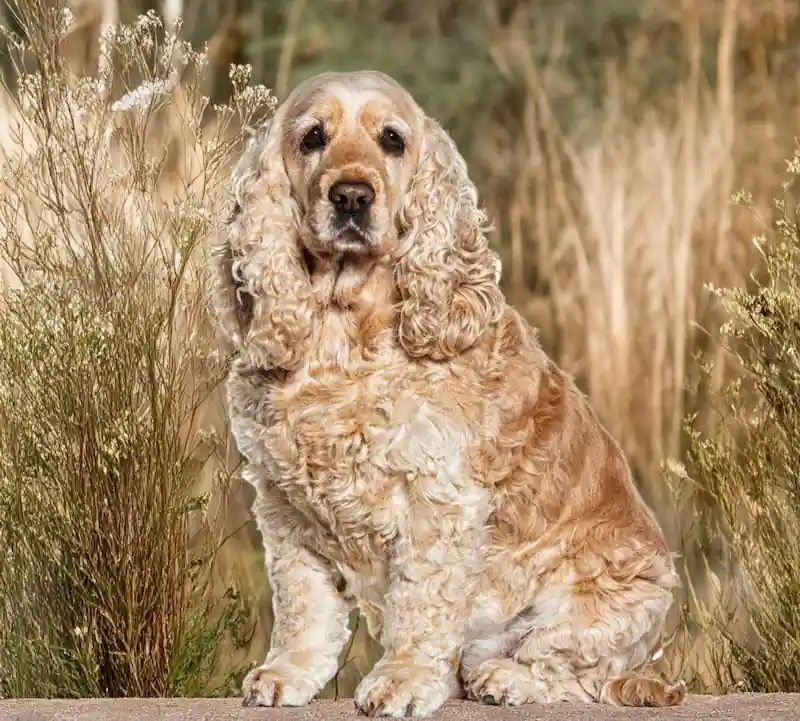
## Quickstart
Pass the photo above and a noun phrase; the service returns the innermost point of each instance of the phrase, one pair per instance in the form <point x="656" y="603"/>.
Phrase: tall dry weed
<point x="742" y="479"/>
<point x="110" y="183"/>
<point x="611" y="228"/>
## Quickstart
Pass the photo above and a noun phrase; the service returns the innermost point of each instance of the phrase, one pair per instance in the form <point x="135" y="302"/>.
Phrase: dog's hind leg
<point x="578" y="642"/>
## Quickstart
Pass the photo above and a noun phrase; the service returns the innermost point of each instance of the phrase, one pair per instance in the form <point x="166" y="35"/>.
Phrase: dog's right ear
<point x="261" y="293"/>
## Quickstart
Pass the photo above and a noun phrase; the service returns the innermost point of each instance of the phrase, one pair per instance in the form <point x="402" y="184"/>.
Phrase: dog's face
<point x="351" y="169"/>
<point x="350" y="144"/>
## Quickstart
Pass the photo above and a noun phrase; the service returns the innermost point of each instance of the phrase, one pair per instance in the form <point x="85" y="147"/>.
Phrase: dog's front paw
<point x="397" y="689"/>
<point x="499" y="682"/>
<point x="264" y="686"/>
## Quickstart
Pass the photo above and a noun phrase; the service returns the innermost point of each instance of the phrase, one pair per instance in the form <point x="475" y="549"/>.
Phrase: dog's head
<point x="350" y="145"/>
<point x="354" y="169"/>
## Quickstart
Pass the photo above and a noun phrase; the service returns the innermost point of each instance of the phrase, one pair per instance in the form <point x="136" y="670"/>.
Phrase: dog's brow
<point x="388" y="113"/>
<point x="399" y="125"/>
<point x="306" y="122"/>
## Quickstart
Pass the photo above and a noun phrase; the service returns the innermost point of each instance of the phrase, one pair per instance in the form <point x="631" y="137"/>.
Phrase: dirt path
<point x="778" y="707"/>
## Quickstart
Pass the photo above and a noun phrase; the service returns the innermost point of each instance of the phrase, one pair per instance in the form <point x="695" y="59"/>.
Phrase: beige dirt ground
<point x="777" y="707"/>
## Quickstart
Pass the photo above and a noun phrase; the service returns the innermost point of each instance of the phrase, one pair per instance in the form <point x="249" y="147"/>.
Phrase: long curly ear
<point x="448" y="278"/>
<point x="260" y="290"/>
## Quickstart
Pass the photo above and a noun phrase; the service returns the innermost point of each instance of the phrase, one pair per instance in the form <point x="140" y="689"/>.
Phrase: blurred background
<point x="606" y="138"/>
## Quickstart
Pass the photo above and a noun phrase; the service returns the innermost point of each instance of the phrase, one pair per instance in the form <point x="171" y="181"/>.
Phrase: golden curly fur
<point x="415" y="452"/>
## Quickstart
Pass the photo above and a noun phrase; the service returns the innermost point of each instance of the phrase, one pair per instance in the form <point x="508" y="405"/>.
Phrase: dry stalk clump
<point x="742" y="480"/>
<point x="110" y="183"/>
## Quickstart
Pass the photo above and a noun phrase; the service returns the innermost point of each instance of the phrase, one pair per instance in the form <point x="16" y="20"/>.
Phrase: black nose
<point x="351" y="199"/>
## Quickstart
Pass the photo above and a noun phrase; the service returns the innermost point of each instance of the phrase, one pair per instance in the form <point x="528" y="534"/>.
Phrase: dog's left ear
<point x="448" y="280"/>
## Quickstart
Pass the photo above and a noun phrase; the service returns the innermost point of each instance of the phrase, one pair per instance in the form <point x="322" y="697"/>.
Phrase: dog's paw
<point x="499" y="682"/>
<point x="403" y="689"/>
<point x="264" y="686"/>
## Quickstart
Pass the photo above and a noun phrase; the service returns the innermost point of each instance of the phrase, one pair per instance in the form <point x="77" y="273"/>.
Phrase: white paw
<point x="400" y="689"/>
<point x="499" y="682"/>
<point x="266" y="687"/>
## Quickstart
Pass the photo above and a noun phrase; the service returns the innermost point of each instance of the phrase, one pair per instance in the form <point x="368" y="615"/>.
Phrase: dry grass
<point x="746" y="472"/>
<point x="107" y="361"/>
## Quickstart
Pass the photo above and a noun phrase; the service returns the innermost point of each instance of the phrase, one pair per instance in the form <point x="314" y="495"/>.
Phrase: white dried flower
<point x="240" y="76"/>
<point x="80" y="631"/>
<point x="147" y="22"/>
<point x="141" y="96"/>
<point x="67" y="20"/>
<point x="76" y="111"/>
<point x="108" y="32"/>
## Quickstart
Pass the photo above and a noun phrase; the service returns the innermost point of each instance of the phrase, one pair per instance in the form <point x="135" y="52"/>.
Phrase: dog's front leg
<point x="310" y="616"/>
<point x="435" y="564"/>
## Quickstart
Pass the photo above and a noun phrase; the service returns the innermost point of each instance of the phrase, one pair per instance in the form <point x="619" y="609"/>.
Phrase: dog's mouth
<point x="328" y="237"/>
<point x="351" y="238"/>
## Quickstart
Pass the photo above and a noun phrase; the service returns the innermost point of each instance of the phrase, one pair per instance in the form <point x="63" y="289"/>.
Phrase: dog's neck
<point x="354" y="295"/>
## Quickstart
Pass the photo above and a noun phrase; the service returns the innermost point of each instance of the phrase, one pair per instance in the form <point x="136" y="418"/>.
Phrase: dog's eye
<point x="392" y="142"/>
<point x="313" y="140"/>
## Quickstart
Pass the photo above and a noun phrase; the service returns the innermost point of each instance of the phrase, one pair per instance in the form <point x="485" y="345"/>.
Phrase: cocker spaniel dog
<point x="414" y="451"/>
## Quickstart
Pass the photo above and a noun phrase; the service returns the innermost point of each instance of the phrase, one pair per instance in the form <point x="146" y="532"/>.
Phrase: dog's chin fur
<point x="322" y="235"/>
<point x="348" y="241"/>
<point x="415" y="452"/>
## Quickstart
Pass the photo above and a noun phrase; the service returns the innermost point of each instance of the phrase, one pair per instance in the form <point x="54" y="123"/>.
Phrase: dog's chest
<point x="348" y="449"/>
<point x="322" y="441"/>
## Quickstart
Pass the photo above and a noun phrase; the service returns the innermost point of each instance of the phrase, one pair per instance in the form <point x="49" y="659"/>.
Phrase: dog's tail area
<point x="637" y="690"/>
